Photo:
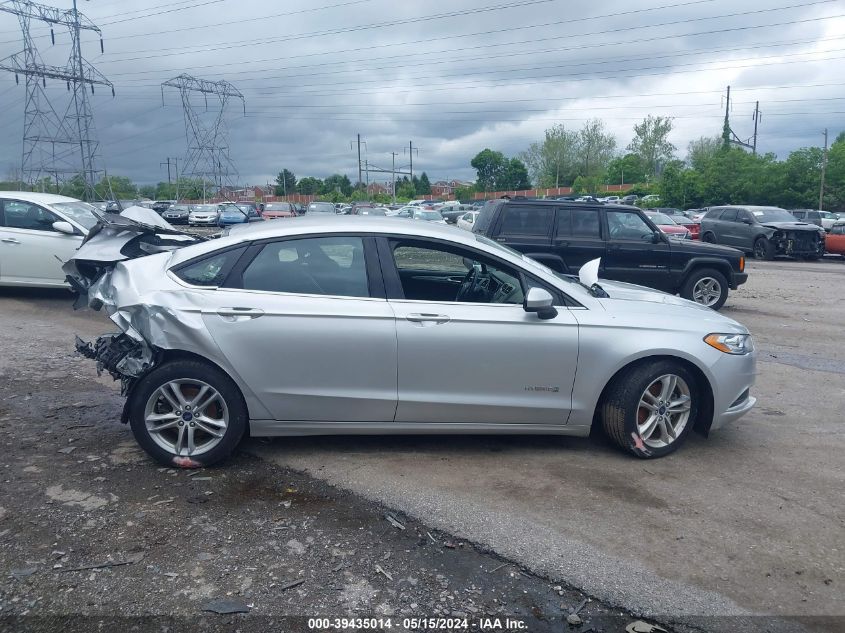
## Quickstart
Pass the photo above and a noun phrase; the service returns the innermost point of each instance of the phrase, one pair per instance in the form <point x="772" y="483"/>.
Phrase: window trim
<point x="602" y="236"/>
<point x="641" y="215"/>
<point x="375" y="283"/>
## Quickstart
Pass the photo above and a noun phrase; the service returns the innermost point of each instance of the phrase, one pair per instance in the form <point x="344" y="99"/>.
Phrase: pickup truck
<point x="564" y="235"/>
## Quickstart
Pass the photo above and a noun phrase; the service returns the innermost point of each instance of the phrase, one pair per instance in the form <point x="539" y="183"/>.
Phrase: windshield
<point x="321" y="207"/>
<point x="277" y="207"/>
<point x="204" y="208"/>
<point x="80" y="212"/>
<point x="428" y="215"/>
<point x="772" y="215"/>
<point x="661" y="218"/>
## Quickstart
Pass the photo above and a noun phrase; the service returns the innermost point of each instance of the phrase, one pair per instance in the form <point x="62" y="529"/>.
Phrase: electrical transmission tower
<point x="58" y="142"/>
<point x="729" y="137"/>
<point x="207" y="158"/>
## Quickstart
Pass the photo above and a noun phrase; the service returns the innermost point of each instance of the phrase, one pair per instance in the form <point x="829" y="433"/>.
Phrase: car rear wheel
<point x="709" y="237"/>
<point x="707" y="287"/>
<point x="650" y="409"/>
<point x="188" y="414"/>
<point x="763" y="249"/>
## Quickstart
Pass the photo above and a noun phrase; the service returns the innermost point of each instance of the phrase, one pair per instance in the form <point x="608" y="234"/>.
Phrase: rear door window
<point x="527" y="221"/>
<point x="728" y="215"/>
<point x="322" y="265"/>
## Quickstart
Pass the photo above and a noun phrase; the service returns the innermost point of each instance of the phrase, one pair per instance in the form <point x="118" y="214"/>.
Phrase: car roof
<point x="36" y="197"/>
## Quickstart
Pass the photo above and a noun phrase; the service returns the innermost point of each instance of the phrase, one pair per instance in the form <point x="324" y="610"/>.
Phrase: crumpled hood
<point x="136" y="232"/>
<point x="792" y="226"/>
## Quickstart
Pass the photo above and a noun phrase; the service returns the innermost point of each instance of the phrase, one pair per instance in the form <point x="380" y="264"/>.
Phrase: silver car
<point x="336" y="325"/>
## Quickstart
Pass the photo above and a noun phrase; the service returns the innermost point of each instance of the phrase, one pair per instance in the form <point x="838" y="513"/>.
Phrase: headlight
<point x="731" y="343"/>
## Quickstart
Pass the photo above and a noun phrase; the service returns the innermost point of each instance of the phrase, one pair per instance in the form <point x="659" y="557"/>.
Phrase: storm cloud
<point x="453" y="77"/>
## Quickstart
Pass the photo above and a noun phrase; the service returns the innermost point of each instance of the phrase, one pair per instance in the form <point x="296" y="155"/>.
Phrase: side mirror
<point x="540" y="301"/>
<point x="64" y="227"/>
<point x="656" y="237"/>
<point x="746" y="221"/>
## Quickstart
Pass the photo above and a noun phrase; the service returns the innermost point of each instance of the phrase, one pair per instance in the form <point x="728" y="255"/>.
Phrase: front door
<point x="31" y="250"/>
<point x="467" y="351"/>
<point x="307" y="333"/>
<point x="632" y="254"/>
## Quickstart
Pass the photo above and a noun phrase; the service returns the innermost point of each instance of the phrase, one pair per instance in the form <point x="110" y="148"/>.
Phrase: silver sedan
<point x="367" y="325"/>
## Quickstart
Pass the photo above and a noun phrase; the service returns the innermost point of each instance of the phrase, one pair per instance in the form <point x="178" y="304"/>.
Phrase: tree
<point x="594" y="148"/>
<point x="702" y="150"/>
<point x="423" y="185"/>
<point x="651" y="142"/>
<point x="835" y="175"/>
<point x="628" y="168"/>
<point x="406" y="190"/>
<point x="285" y="183"/>
<point x="337" y="182"/>
<point x="515" y="177"/>
<point x="115" y="188"/>
<point x="490" y="167"/>
<point x="551" y="163"/>
<point x="147" y="191"/>
<point x="309" y="186"/>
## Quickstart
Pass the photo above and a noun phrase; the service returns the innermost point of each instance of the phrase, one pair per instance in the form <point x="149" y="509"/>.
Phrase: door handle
<point x="10" y="240"/>
<point x="438" y="319"/>
<point x="251" y="313"/>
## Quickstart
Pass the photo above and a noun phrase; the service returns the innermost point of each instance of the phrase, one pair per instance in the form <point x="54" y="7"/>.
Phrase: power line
<point x="291" y="37"/>
<point x="486" y="46"/>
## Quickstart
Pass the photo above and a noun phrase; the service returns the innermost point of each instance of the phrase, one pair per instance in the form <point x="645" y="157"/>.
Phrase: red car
<point x="274" y="210"/>
<point x="835" y="240"/>
<point x="682" y="219"/>
<point x="668" y="226"/>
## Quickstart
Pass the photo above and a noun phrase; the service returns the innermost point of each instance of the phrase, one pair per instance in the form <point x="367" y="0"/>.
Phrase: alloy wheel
<point x="663" y="411"/>
<point x="707" y="291"/>
<point x="186" y="417"/>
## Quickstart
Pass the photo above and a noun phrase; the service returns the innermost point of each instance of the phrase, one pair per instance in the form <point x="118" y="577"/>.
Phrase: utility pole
<point x="726" y="128"/>
<point x="393" y="176"/>
<point x="756" y="119"/>
<point x="824" y="166"/>
<point x="167" y="162"/>
<point x="411" y="150"/>
<point x="359" y="159"/>
<point x="367" y="172"/>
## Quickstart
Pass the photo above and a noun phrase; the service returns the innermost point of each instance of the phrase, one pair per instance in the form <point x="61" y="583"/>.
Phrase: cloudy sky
<point x="453" y="77"/>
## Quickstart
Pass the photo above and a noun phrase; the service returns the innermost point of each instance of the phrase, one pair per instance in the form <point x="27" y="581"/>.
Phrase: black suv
<point x="565" y="235"/>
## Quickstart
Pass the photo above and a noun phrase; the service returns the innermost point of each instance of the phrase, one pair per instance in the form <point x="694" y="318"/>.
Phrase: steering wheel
<point x="471" y="284"/>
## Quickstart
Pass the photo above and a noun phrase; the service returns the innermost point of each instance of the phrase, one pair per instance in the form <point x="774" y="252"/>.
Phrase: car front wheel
<point x="763" y="249"/>
<point x="707" y="287"/>
<point x="188" y="414"/>
<point x="650" y="409"/>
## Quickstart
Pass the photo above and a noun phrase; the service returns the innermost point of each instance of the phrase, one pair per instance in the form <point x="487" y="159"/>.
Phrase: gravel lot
<point x="749" y="521"/>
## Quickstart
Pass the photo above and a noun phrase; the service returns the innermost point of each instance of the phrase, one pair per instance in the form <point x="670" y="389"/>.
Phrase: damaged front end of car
<point x="99" y="277"/>
<point x="798" y="243"/>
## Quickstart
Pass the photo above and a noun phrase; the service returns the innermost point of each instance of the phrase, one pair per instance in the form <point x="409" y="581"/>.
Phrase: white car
<point x="203" y="214"/>
<point x="38" y="233"/>
<point x="467" y="220"/>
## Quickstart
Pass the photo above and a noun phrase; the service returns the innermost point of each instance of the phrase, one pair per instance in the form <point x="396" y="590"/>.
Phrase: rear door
<point x="31" y="250"/>
<point x="528" y="229"/>
<point x="578" y="236"/>
<point x="306" y="323"/>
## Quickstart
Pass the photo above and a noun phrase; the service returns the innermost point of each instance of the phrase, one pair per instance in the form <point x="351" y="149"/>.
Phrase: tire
<point x="625" y="420"/>
<point x="708" y="237"/>
<point x="215" y="432"/>
<point x="707" y="287"/>
<point x="763" y="249"/>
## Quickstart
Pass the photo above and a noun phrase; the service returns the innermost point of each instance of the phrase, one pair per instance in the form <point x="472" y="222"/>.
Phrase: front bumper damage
<point x="798" y="243"/>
